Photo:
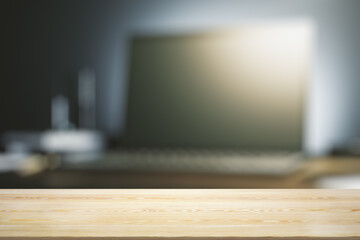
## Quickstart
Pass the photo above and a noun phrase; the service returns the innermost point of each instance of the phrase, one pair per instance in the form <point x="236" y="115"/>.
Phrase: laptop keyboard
<point x="201" y="161"/>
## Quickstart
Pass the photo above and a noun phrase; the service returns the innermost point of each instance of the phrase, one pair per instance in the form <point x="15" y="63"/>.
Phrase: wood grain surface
<point x="179" y="213"/>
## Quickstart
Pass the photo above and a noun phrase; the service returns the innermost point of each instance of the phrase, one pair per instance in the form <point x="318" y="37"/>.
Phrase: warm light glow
<point x="264" y="53"/>
<point x="270" y="62"/>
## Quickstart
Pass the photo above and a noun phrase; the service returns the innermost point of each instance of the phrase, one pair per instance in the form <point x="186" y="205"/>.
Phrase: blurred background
<point x="180" y="94"/>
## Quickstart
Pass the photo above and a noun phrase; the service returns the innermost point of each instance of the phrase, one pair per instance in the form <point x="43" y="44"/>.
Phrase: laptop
<point x="227" y="101"/>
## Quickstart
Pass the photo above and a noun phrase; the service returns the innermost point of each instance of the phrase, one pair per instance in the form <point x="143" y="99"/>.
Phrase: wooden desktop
<point x="179" y="214"/>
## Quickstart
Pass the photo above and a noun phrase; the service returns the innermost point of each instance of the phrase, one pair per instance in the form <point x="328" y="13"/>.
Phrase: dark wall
<point x="43" y="46"/>
<point x="25" y="65"/>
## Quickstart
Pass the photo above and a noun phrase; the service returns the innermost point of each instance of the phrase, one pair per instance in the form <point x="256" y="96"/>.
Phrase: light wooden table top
<point x="168" y="213"/>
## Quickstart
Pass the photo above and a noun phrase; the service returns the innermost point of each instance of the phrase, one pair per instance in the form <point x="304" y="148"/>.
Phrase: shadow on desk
<point x="114" y="179"/>
<point x="306" y="177"/>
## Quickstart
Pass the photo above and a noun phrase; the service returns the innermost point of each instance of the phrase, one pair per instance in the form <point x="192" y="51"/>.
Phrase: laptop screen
<point x="241" y="89"/>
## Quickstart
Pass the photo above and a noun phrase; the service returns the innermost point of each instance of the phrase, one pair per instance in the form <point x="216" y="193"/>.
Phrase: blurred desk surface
<point x="332" y="166"/>
<point x="179" y="213"/>
<point x="83" y="177"/>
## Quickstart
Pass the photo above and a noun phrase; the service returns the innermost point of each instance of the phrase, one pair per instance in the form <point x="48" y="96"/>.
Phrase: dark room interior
<point x="180" y="94"/>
